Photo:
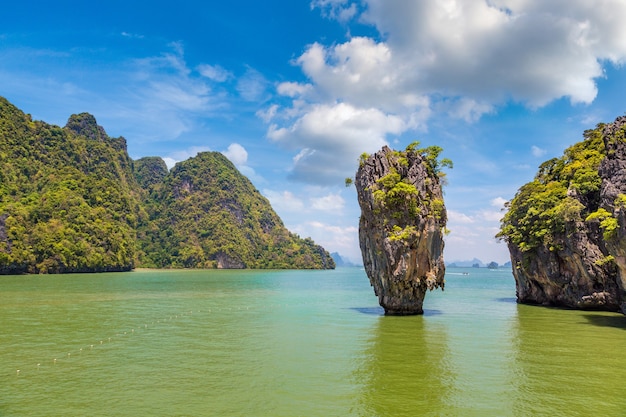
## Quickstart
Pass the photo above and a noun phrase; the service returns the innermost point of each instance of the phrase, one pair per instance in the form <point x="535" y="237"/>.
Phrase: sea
<point x="298" y="343"/>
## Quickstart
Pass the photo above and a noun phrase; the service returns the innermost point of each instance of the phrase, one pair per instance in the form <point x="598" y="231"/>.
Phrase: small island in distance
<point x="477" y="263"/>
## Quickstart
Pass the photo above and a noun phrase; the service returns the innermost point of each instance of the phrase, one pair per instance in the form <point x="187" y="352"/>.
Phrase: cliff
<point x="401" y="228"/>
<point x="565" y="230"/>
<point x="72" y="200"/>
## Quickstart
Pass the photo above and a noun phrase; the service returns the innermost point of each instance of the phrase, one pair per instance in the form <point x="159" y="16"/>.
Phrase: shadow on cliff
<point x="379" y="311"/>
<point x="617" y="321"/>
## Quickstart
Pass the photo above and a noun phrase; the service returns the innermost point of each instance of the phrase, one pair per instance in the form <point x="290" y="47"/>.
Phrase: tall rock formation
<point x="566" y="230"/>
<point x="403" y="219"/>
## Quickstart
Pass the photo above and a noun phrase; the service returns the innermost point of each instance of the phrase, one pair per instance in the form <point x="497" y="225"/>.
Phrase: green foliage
<point x="362" y="158"/>
<point x="68" y="199"/>
<point x="620" y="201"/>
<point x="402" y="233"/>
<point x="431" y="158"/>
<point x="205" y="214"/>
<point x="606" y="260"/>
<point x="542" y="209"/>
<point x="608" y="223"/>
<point x="71" y="200"/>
<point x="396" y="194"/>
<point x="349" y="181"/>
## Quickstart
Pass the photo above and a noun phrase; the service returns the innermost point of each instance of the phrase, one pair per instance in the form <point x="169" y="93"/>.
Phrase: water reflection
<point x="379" y="311"/>
<point x="405" y="369"/>
<point x="565" y="367"/>
<point x="616" y="321"/>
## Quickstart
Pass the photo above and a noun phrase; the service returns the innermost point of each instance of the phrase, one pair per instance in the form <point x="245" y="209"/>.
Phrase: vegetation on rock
<point x="565" y="190"/>
<point x="566" y="229"/>
<point x="72" y="200"/>
<point x="402" y="223"/>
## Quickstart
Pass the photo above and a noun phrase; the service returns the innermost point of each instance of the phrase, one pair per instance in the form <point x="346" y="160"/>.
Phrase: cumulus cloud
<point x="284" y="201"/>
<point x="498" y="202"/>
<point x="331" y="202"/>
<point x="532" y="51"/>
<point x="170" y="162"/>
<point x="491" y="216"/>
<point x="460" y="58"/>
<point x="330" y="137"/>
<point x="334" y="238"/>
<point x="236" y="153"/>
<point x="458" y="217"/>
<point x="183" y="155"/>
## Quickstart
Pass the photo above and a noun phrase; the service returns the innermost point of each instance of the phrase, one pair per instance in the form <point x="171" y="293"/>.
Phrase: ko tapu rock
<point x="566" y="230"/>
<point x="402" y="223"/>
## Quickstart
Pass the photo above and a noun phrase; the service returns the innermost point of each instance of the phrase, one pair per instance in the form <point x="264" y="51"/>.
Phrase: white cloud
<point x="170" y="162"/>
<point x="284" y="201"/>
<point x="182" y="155"/>
<point x="537" y="151"/>
<point x="330" y="202"/>
<point x="237" y="154"/>
<point x="329" y="139"/>
<point x="214" y="72"/>
<point x="164" y="98"/>
<point x="341" y="10"/>
<point x="132" y="35"/>
<point x="291" y="89"/>
<point x="532" y="51"/>
<point x="341" y="239"/>
<point x="268" y="114"/>
<point x="498" y="202"/>
<point x="460" y="58"/>
<point x="252" y="86"/>
<point x="491" y="216"/>
<point x="458" y="217"/>
<point x="364" y="72"/>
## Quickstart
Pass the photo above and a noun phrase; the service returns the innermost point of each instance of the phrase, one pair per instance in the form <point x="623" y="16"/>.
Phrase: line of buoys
<point x="266" y="307"/>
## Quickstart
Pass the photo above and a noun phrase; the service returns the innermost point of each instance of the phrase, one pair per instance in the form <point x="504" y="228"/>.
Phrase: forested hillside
<point x="72" y="200"/>
<point x="204" y="213"/>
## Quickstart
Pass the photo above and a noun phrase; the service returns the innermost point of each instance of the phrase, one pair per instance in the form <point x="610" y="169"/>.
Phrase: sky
<point x="293" y="91"/>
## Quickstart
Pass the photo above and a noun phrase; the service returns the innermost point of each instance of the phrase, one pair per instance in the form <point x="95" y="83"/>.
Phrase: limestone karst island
<point x="566" y="229"/>
<point x="403" y="218"/>
<point x="72" y="200"/>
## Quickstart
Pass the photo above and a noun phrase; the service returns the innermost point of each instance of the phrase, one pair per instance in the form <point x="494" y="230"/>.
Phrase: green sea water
<point x="298" y="343"/>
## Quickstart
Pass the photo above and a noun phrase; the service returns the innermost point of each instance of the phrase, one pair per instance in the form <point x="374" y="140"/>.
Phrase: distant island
<point x="477" y="263"/>
<point x="72" y="200"/>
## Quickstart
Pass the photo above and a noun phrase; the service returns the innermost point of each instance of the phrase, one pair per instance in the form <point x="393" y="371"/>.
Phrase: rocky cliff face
<point x="401" y="228"/>
<point x="566" y="230"/>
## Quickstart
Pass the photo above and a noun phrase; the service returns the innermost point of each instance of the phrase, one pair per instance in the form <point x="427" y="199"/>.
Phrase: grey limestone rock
<point x="583" y="267"/>
<point x="401" y="228"/>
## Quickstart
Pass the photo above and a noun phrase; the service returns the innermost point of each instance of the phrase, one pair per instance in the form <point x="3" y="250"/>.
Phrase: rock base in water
<point x="401" y="227"/>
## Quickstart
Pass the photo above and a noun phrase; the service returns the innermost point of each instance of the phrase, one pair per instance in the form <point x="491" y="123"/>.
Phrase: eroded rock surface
<point x="566" y="230"/>
<point x="403" y="218"/>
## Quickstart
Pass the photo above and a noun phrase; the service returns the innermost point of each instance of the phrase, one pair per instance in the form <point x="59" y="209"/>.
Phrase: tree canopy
<point x="72" y="200"/>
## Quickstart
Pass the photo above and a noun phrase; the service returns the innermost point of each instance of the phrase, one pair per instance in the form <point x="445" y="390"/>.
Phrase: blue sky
<point x="294" y="91"/>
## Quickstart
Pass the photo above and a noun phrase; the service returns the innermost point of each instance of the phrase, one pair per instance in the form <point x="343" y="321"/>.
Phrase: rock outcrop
<point x="566" y="230"/>
<point x="403" y="218"/>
